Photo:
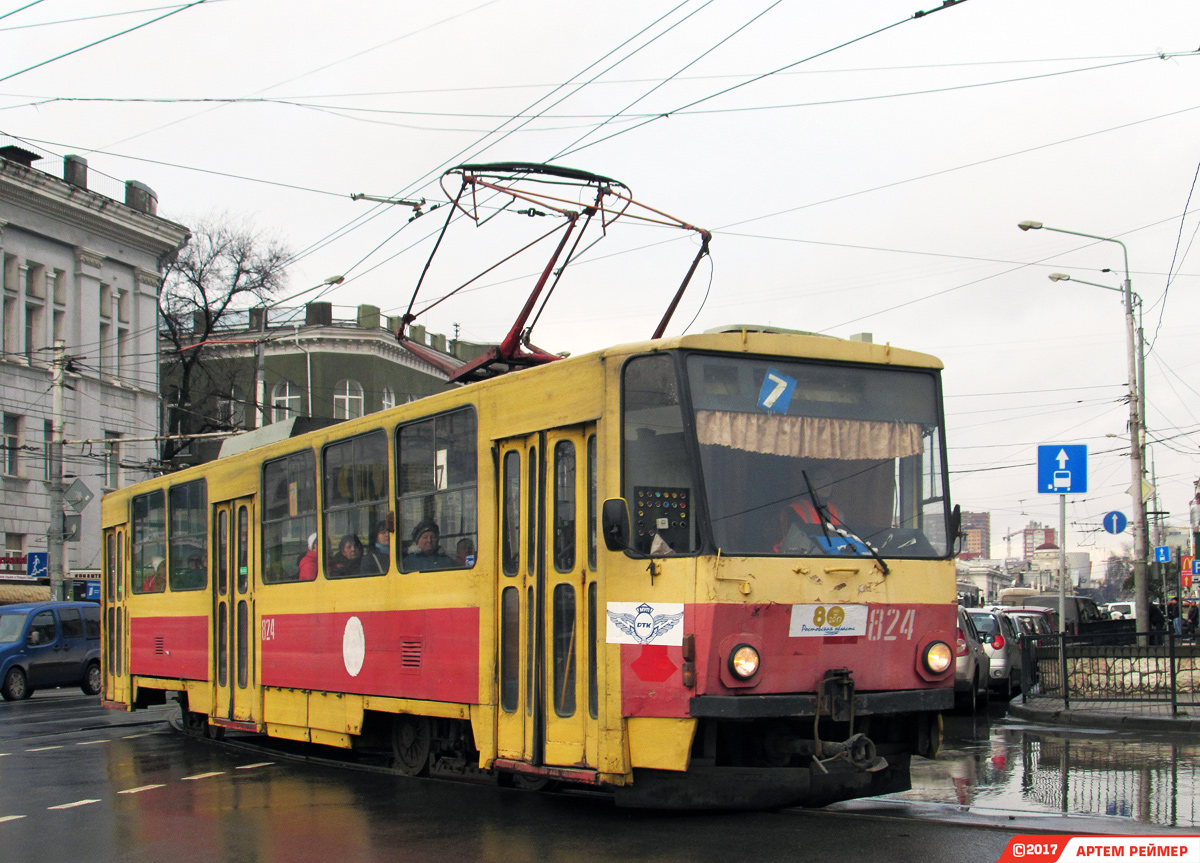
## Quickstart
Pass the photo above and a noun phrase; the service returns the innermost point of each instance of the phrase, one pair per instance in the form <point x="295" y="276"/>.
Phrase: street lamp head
<point x="1059" y="277"/>
<point x="334" y="280"/>
<point x="1025" y="226"/>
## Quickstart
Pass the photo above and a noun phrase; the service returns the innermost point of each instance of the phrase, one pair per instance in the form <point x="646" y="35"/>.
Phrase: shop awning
<point x="12" y="593"/>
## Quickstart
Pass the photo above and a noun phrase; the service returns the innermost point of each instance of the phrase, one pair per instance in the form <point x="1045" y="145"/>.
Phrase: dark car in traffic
<point x="44" y="645"/>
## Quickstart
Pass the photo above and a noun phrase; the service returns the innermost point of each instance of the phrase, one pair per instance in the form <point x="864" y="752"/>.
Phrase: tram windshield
<point x="814" y="459"/>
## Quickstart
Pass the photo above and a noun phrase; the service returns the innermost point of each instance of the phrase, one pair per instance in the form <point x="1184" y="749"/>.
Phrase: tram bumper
<point x="805" y="705"/>
<point x="794" y="766"/>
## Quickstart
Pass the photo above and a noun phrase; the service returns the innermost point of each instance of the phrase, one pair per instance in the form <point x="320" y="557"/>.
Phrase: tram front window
<point x="806" y="459"/>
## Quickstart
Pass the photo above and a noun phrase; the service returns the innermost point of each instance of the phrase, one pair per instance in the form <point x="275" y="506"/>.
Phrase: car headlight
<point x="938" y="657"/>
<point x="743" y="662"/>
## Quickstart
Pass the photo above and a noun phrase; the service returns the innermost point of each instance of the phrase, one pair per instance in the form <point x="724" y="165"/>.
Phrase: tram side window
<point x="188" y="535"/>
<point x="355" y="496"/>
<point x="436" y="492"/>
<point x="289" y="516"/>
<point x="658" y="474"/>
<point x="148" y="543"/>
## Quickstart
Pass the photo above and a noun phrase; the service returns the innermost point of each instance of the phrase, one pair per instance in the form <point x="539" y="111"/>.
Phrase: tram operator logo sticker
<point x="631" y="623"/>
<point x="354" y="646"/>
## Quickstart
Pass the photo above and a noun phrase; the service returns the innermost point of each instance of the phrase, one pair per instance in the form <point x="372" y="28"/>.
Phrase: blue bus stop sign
<point x="1162" y="554"/>
<point x="1115" y="522"/>
<point x="1062" y="469"/>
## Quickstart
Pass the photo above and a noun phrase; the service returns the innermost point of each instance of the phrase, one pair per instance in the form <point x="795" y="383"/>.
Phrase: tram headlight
<point x="743" y="662"/>
<point x="938" y="657"/>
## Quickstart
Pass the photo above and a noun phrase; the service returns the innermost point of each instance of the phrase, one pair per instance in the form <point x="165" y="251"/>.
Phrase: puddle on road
<point x="1012" y="765"/>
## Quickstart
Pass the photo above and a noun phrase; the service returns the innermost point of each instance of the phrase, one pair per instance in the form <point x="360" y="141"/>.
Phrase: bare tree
<point x="225" y="269"/>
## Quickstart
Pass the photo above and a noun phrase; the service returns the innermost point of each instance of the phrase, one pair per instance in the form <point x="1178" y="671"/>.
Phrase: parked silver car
<point x="971" y="664"/>
<point x="1001" y="644"/>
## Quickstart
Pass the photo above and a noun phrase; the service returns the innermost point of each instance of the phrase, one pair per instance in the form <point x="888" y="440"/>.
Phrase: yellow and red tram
<point x="709" y="570"/>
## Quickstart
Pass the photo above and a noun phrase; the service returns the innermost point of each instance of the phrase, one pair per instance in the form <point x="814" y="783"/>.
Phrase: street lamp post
<point x="1136" y="453"/>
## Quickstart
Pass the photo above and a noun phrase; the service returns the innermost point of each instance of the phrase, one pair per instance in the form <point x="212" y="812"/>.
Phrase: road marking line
<point x="136" y="736"/>
<point x="204" y="775"/>
<point x="92" y="742"/>
<point x="4" y="818"/>
<point x="44" y="748"/>
<point x="73" y="805"/>
<point x="141" y="789"/>
<point x="253" y="766"/>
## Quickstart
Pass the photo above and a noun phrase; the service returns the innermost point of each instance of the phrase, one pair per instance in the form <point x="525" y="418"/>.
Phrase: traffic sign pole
<point x="1062" y="562"/>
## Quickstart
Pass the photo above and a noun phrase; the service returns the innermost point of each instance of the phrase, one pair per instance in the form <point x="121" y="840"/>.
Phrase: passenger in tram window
<point x="308" y="560"/>
<point x="464" y="554"/>
<point x="348" y="560"/>
<point x="375" y="557"/>
<point x="425" y="553"/>
<point x="156" y="579"/>
<point x="195" y="575"/>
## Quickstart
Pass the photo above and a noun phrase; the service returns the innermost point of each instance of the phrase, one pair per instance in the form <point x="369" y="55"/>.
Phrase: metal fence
<point x="1138" y="672"/>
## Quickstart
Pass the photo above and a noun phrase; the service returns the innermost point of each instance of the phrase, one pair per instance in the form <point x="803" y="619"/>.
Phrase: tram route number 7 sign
<point x="1062" y="469"/>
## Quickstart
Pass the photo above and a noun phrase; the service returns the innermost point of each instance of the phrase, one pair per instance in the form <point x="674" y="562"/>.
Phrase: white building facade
<point x="83" y="270"/>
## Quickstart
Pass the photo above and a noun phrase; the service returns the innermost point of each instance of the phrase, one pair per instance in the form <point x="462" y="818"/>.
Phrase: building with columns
<point x="80" y="269"/>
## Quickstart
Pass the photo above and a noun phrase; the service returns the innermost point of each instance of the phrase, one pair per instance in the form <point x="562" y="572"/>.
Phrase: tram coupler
<point x="835" y="695"/>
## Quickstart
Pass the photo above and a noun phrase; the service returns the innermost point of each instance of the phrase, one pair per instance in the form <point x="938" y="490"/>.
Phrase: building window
<point x="12" y="445"/>
<point x="106" y="351"/>
<point x="231" y="409"/>
<point x="285" y="401"/>
<point x="48" y="439"/>
<point x="112" y="459"/>
<point x="388" y="398"/>
<point x="33" y="334"/>
<point x="347" y="400"/>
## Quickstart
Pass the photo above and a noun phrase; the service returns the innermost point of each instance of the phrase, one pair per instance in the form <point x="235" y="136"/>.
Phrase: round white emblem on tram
<point x="354" y="646"/>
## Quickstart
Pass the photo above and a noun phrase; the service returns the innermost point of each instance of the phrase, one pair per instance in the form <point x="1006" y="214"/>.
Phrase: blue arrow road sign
<point x="1115" y="522"/>
<point x="37" y="564"/>
<point x="1162" y="554"/>
<point x="1062" y="469"/>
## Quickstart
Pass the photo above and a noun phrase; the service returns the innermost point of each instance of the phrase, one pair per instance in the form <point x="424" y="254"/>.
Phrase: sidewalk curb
<point x="1092" y="718"/>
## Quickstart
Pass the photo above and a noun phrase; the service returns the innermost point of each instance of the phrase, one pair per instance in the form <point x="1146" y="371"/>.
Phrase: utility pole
<point x="55" y="563"/>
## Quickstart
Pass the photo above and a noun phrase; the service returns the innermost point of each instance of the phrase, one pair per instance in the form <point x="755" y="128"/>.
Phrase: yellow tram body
<point x="586" y="635"/>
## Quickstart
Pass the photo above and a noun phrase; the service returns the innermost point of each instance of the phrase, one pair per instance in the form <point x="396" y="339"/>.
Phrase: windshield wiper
<point x="827" y="522"/>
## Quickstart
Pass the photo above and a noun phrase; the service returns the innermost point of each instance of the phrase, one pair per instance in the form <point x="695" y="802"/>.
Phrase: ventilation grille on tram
<point x="410" y="654"/>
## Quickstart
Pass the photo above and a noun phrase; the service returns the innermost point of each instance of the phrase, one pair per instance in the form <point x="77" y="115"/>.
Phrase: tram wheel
<point x="410" y="744"/>
<point x="193" y="723"/>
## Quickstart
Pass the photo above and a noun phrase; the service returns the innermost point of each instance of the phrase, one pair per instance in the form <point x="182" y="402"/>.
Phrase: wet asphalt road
<point x="80" y="783"/>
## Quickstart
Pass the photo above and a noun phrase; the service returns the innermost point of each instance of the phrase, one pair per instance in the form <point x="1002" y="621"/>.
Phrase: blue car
<point x="49" y="644"/>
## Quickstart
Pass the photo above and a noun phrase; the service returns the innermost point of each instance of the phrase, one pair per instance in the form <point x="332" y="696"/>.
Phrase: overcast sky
<point x="861" y="170"/>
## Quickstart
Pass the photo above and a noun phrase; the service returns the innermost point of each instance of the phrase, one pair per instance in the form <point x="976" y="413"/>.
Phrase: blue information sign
<point x="1062" y="469"/>
<point x="37" y="564"/>
<point x="93" y="591"/>
<point x="1196" y="566"/>
<point x="1162" y="554"/>
<point x="1115" y="522"/>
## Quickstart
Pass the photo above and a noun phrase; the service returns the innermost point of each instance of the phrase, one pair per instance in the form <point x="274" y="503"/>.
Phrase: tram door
<point x="233" y="611"/>
<point x="547" y="599"/>
<point x="116" y="615"/>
